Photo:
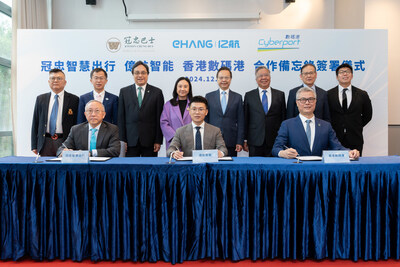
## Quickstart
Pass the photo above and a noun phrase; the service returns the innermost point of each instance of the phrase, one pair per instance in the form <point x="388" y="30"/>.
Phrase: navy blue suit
<point x="321" y="108"/>
<point x="293" y="135"/>
<point x="232" y="122"/>
<point x="110" y="103"/>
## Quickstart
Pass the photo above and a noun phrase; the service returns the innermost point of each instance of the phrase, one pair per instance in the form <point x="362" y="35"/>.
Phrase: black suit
<point x="321" y="107"/>
<point x="107" y="142"/>
<point x="349" y="125"/>
<point x="40" y="117"/>
<point x="261" y="130"/>
<point x="140" y="127"/>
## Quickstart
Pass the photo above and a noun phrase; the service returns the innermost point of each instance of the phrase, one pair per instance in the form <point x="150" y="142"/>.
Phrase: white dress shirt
<point x="348" y="94"/>
<point x="59" y="128"/>
<point x="269" y="96"/>
<point x="143" y="90"/>
<point x="312" y="126"/>
<point x="99" y="97"/>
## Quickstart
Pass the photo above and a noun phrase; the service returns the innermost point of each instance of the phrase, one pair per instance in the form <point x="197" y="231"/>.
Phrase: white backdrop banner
<point x="197" y="54"/>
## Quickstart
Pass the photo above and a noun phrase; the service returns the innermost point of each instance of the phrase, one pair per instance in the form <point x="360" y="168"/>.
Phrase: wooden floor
<point x="273" y="263"/>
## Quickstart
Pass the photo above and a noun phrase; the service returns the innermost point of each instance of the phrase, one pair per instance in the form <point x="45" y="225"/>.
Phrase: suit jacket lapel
<point x="303" y="134"/>
<point x="336" y="98"/>
<point x="46" y="104"/>
<point x="176" y="109"/>
<point x="134" y="96"/>
<point x="317" y="137"/>
<point x="147" y="95"/>
<point x="189" y="136"/>
<point x="186" y="113"/>
<point x="354" y="98"/>
<point x="84" y="133"/>
<point x="257" y="100"/>
<point x="101" y="135"/>
<point x="65" y="106"/>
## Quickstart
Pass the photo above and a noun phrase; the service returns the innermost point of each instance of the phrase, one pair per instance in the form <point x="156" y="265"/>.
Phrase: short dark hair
<point x="224" y="68"/>
<point x="98" y="70"/>
<point x="56" y="71"/>
<point x="199" y="99"/>
<point x="261" y="68"/>
<point x="138" y="63"/>
<point x="306" y="65"/>
<point x="344" y="65"/>
<point x="174" y="102"/>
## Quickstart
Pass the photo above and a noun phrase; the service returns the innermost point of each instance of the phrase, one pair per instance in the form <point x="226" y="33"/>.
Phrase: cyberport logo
<point x="289" y="42"/>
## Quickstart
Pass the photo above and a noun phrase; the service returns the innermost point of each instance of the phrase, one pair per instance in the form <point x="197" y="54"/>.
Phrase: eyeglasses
<point x="56" y="79"/>
<point x="224" y="78"/>
<point x="308" y="73"/>
<point x="198" y="110"/>
<point x="263" y="76"/>
<point x="99" y="78"/>
<point x="310" y="100"/>
<point x="95" y="111"/>
<point x="137" y="73"/>
<point x="341" y="72"/>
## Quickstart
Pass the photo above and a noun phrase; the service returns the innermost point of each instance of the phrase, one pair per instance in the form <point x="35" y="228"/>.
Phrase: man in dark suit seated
<point x="306" y="135"/>
<point x="226" y="112"/>
<point x="98" y="78"/>
<point x="198" y="134"/>
<point x="97" y="136"/>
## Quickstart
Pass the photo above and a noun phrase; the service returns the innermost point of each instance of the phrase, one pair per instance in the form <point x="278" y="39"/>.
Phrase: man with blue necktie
<point x="54" y="115"/>
<point x="96" y="135"/>
<point x="264" y="111"/>
<point x="306" y="135"/>
<point x="225" y="111"/>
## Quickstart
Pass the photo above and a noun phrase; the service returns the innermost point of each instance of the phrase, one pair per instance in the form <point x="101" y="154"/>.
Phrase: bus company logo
<point x="113" y="45"/>
<point x="288" y="42"/>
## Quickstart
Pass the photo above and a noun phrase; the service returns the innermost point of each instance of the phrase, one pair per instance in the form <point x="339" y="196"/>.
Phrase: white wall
<point x="275" y="14"/>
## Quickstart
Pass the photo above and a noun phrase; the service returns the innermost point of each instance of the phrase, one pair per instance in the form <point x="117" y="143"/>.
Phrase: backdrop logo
<point x="113" y="45"/>
<point x="290" y="41"/>
<point x="141" y="42"/>
<point x="199" y="44"/>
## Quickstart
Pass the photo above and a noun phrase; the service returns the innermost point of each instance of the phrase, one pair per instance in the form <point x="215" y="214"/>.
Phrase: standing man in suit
<point x="139" y="110"/>
<point x="197" y="135"/>
<point x="308" y="74"/>
<point x="95" y="135"/>
<point x="98" y="78"/>
<point x="305" y="134"/>
<point x="54" y="115"/>
<point x="264" y="110"/>
<point x="225" y="111"/>
<point x="350" y="109"/>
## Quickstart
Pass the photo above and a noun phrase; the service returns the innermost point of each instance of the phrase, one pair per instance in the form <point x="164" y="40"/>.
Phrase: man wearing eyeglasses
<point x="54" y="115"/>
<point x="350" y="109"/>
<point x="197" y="135"/>
<point x="306" y="135"/>
<point x="308" y="74"/>
<point x="98" y="78"/>
<point x="139" y="110"/>
<point x="264" y="111"/>
<point x="96" y="135"/>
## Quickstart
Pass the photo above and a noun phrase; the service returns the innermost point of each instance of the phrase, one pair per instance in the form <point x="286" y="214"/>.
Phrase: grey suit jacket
<point x="107" y="144"/>
<point x="183" y="140"/>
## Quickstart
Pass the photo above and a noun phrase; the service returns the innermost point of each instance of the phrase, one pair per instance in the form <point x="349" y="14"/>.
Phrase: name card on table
<point x="335" y="156"/>
<point x="203" y="156"/>
<point x="75" y="157"/>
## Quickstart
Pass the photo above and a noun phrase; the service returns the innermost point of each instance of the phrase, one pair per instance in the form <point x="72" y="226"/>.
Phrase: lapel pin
<point x="70" y="112"/>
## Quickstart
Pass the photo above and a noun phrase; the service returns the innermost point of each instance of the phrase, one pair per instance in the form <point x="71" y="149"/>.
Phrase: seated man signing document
<point x="197" y="135"/>
<point x="97" y="136"/>
<point x="306" y="135"/>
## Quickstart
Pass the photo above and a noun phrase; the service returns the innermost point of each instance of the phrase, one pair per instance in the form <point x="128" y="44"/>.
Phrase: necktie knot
<point x="198" y="128"/>
<point x="93" y="130"/>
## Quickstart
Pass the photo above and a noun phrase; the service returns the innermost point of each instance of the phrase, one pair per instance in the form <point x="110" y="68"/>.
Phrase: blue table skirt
<point x="141" y="209"/>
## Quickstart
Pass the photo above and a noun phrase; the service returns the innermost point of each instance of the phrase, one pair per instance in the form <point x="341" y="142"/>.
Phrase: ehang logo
<point x="288" y="43"/>
<point x="113" y="45"/>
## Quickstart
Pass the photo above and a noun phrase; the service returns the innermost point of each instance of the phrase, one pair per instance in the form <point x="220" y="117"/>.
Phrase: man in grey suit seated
<point x="97" y="136"/>
<point x="198" y="134"/>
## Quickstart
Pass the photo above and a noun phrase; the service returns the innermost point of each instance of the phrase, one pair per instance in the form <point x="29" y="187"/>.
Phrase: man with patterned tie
<point x="306" y="135"/>
<point x="264" y="111"/>
<point x="197" y="135"/>
<point x="54" y="115"/>
<point x="225" y="111"/>
<point x="139" y="110"/>
<point x="96" y="135"/>
<point x="99" y="79"/>
<point x="350" y="109"/>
